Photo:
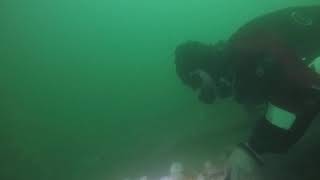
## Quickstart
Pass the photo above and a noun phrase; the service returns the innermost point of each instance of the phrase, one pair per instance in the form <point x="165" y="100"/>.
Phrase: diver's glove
<point x="244" y="164"/>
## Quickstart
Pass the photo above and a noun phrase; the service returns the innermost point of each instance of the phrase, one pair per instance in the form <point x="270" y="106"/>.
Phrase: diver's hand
<point x="243" y="165"/>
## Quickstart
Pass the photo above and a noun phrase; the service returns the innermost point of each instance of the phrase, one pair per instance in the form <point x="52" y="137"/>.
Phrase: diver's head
<point x="203" y="67"/>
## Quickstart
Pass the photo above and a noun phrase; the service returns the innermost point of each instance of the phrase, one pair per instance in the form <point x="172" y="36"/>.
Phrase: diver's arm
<point x="269" y="136"/>
<point x="280" y="129"/>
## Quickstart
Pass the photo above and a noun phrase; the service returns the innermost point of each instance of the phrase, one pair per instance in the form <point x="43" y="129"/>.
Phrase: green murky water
<point x="89" y="91"/>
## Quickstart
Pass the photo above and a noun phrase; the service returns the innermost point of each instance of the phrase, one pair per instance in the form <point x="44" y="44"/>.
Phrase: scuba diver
<point x="269" y="61"/>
